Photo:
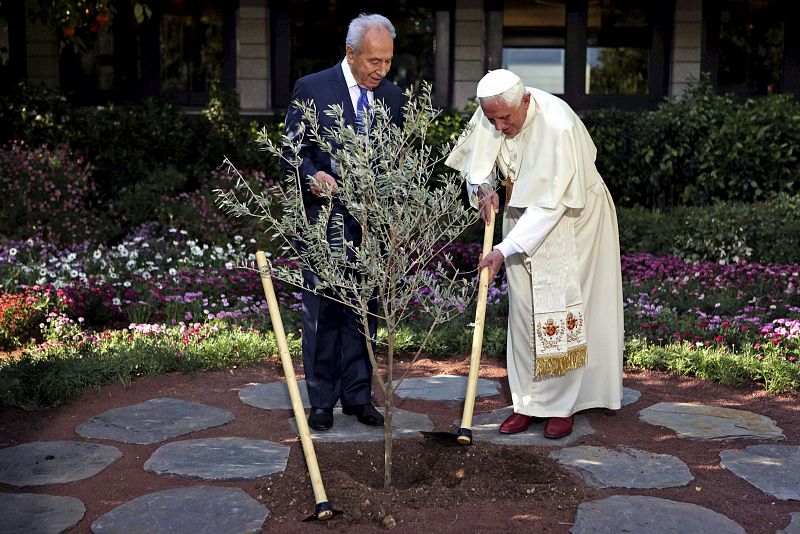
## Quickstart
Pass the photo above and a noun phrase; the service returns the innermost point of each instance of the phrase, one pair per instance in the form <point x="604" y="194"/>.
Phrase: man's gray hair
<point x="360" y="25"/>
<point x="511" y="97"/>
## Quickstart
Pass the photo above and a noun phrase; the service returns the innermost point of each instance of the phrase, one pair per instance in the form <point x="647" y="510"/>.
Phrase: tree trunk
<point x="388" y="394"/>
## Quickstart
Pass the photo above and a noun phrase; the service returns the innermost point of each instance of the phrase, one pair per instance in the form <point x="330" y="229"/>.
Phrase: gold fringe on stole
<point x="553" y="365"/>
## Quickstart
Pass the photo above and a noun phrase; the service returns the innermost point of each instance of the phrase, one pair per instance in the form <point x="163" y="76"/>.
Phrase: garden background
<point x="115" y="263"/>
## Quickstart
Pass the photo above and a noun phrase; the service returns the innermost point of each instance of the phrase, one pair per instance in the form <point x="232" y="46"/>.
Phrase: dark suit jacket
<point x="326" y="88"/>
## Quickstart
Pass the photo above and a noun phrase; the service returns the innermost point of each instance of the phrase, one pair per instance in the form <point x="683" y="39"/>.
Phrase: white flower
<point x="115" y="301"/>
<point x="12" y="252"/>
<point x="173" y="272"/>
<point x="97" y="254"/>
<point x="126" y="283"/>
<point x="73" y="273"/>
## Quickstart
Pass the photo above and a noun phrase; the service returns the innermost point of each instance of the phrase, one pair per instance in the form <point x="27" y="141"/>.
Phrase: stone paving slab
<point x="774" y="469"/>
<point x="153" y="421"/>
<point x="199" y="510"/>
<point x="273" y="395"/>
<point x="711" y="423"/>
<point x="32" y="513"/>
<point x="347" y="428"/>
<point x="649" y="515"/>
<point x="229" y="458"/>
<point x="446" y="388"/>
<point x="601" y="467"/>
<point x="629" y="396"/>
<point x="39" y="463"/>
<point x="794" y="525"/>
<point x="486" y="427"/>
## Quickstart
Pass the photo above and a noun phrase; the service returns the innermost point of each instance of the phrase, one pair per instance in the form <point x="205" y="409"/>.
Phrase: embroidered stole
<point x="558" y="331"/>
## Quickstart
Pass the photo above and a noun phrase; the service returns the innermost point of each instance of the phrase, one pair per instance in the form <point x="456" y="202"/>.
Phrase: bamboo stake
<point x="323" y="509"/>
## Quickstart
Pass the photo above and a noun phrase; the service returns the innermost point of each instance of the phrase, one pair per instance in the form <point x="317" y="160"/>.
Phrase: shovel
<point x="464" y="434"/>
<point x="323" y="510"/>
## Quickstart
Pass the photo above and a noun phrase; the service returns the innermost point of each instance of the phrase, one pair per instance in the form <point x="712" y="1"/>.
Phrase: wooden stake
<point x="324" y="510"/>
<point x="465" y="432"/>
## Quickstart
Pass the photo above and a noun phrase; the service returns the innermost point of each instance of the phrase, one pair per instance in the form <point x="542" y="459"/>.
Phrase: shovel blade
<point x="451" y="439"/>
<point x="323" y="512"/>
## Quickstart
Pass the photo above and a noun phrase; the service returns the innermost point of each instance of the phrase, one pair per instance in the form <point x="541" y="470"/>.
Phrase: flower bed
<point x="163" y="296"/>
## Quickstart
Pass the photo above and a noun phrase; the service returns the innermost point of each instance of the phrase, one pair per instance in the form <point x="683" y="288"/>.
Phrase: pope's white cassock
<point x="561" y="244"/>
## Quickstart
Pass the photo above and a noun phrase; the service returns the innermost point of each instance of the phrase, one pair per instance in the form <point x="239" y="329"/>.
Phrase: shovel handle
<point x="465" y="438"/>
<point x="291" y="382"/>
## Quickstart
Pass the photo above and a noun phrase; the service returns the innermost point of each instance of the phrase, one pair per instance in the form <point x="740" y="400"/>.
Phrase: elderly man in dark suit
<point x="335" y="358"/>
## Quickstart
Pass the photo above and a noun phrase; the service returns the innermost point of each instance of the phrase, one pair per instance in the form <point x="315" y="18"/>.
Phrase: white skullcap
<point x="496" y="82"/>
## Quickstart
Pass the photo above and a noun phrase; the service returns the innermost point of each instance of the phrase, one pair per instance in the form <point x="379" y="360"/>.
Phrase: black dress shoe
<point x="320" y="418"/>
<point x="365" y="413"/>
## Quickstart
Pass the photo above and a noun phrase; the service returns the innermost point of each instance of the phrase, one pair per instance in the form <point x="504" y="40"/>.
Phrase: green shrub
<point x="49" y="375"/>
<point x="20" y="316"/>
<point x="724" y="232"/>
<point x="47" y="193"/>
<point x="36" y="114"/>
<point x="699" y="148"/>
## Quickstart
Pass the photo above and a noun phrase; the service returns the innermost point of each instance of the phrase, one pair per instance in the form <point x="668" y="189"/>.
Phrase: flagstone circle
<point x="602" y="467"/>
<point x="29" y="513"/>
<point x="227" y="458"/>
<point x="153" y="421"/>
<point x="649" y="515"/>
<point x="199" y="510"/>
<point x="774" y="469"/>
<point x="711" y="423"/>
<point x="39" y="463"/>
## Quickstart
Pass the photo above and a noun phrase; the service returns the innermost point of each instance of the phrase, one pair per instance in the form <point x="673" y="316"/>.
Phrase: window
<point x="618" y="40"/>
<point x="534" y="42"/>
<point x="751" y="36"/>
<point x="191" y="50"/>
<point x="539" y="67"/>
<point x="316" y="31"/>
<point x="592" y="53"/>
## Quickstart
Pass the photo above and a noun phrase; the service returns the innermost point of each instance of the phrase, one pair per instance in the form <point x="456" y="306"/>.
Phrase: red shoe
<point x="515" y="423"/>
<point x="558" y="427"/>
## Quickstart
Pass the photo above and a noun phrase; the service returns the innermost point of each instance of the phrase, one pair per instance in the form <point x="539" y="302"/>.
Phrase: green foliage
<point x="20" y="316"/>
<point x="698" y="149"/>
<point x="51" y="375"/>
<point x="47" y="192"/>
<point x="35" y="114"/>
<point x="774" y="371"/>
<point x="723" y="232"/>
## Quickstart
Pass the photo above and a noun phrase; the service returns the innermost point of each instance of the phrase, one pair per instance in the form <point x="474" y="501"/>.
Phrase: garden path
<point x="657" y="465"/>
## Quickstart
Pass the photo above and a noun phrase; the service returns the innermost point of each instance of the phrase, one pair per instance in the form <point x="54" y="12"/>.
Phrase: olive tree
<point x="408" y="213"/>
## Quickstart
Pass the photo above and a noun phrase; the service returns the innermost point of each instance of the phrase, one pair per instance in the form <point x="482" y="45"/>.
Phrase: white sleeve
<point x="531" y="229"/>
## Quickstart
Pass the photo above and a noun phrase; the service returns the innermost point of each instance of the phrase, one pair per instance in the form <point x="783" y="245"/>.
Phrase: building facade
<point x="593" y="53"/>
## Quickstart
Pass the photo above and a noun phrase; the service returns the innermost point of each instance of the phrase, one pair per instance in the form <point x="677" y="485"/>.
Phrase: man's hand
<point x="323" y="184"/>
<point x="493" y="261"/>
<point x="488" y="202"/>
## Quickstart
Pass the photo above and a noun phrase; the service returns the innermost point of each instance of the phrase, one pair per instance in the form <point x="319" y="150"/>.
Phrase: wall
<point x="686" y="44"/>
<point x="42" y="50"/>
<point x="469" y="52"/>
<point x="252" y="63"/>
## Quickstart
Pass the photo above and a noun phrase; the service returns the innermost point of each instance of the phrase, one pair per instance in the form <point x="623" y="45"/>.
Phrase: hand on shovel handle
<point x="323" y="509"/>
<point x="465" y="432"/>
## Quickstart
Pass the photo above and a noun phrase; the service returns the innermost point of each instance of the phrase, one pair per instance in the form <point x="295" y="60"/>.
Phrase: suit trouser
<point x="335" y="356"/>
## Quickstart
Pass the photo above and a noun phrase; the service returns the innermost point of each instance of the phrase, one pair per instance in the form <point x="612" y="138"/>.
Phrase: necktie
<point x="362" y="109"/>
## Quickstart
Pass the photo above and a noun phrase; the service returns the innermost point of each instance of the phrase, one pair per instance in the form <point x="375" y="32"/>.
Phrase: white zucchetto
<point x="496" y="82"/>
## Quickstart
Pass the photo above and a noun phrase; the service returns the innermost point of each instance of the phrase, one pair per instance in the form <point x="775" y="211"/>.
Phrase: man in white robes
<point x="560" y="247"/>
